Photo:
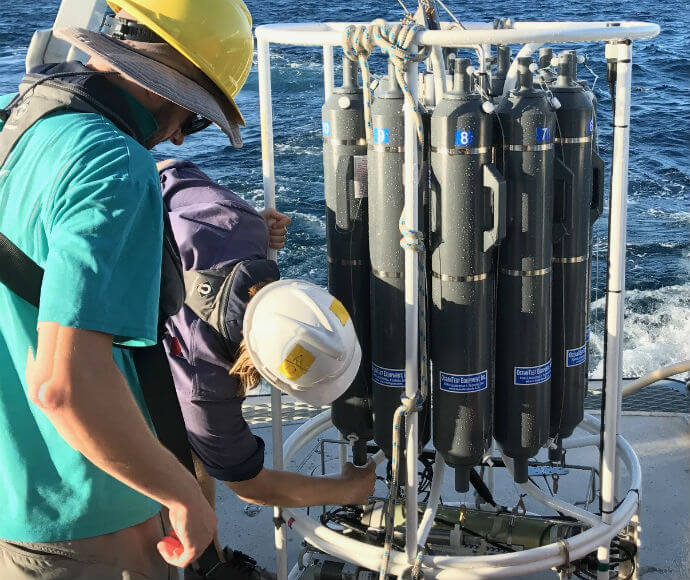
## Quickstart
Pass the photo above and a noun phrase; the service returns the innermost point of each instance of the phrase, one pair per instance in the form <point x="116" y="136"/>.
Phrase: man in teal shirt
<point x="82" y="476"/>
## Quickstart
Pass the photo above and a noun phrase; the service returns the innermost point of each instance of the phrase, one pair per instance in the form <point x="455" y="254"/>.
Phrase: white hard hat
<point x="302" y="340"/>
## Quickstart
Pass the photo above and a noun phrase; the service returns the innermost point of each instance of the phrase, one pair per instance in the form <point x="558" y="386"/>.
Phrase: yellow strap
<point x="339" y="310"/>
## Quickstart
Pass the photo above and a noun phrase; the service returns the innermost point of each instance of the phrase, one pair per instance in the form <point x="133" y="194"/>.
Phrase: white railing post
<point x="263" y="57"/>
<point x="328" y="71"/>
<point x="266" y="116"/>
<point x="411" y="180"/>
<point x="615" y="292"/>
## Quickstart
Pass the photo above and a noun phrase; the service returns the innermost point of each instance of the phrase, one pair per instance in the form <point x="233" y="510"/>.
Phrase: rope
<point x="416" y="572"/>
<point x="410" y="239"/>
<point x="395" y="41"/>
<point x="455" y="19"/>
<point x="406" y="407"/>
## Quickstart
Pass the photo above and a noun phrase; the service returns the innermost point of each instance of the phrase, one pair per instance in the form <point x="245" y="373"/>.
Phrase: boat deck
<point x="656" y="421"/>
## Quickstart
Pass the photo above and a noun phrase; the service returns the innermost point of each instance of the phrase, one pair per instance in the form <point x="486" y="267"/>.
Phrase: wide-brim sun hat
<point x="214" y="35"/>
<point x="164" y="71"/>
<point x="302" y="340"/>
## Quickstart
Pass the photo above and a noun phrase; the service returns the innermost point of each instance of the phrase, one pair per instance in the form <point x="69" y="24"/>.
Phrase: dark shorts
<point x="128" y="554"/>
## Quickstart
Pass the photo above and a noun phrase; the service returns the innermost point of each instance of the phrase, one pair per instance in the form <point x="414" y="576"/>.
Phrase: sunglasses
<point x="194" y="124"/>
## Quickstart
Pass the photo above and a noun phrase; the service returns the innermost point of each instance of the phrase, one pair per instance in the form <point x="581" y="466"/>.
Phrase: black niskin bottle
<point x="347" y="240"/>
<point x="523" y="346"/>
<point x="467" y="194"/>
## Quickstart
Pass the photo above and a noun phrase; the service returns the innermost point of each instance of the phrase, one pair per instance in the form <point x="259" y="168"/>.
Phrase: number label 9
<point x="381" y="135"/>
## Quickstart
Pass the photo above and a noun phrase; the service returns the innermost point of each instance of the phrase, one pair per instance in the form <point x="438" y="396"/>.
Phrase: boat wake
<point x="656" y="330"/>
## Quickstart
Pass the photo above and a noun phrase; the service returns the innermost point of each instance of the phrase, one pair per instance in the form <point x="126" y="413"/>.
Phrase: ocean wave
<point x="295" y="58"/>
<point x="671" y="217"/>
<point x="661" y="247"/>
<point x="308" y="221"/>
<point x="656" y="330"/>
<point x="293" y="149"/>
<point x="14" y="55"/>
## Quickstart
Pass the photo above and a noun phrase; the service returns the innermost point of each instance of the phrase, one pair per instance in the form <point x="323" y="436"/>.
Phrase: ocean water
<point x="657" y="327"/>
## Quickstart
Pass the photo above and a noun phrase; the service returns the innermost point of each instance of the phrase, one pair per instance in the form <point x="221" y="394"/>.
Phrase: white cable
<point x="595" y="75"/>
<point x="657" y="375"/>
<point x="511" y="77"/>
<point x="404" y="7"/>
<point x="294" y="573"/>
<point x="434" y="499"/>
<point x="451" y="14"/>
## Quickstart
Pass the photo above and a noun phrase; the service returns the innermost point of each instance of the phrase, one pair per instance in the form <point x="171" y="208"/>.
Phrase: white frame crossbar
<point x="619" y="37"/>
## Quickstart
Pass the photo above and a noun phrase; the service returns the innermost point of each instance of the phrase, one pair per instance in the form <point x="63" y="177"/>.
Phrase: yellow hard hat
<point x="215" y="35"/>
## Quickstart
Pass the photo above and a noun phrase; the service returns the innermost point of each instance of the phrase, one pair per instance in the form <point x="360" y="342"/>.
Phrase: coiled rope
<point x="395" y="41"/>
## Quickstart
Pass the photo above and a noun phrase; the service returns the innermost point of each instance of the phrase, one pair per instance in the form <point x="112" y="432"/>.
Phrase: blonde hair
<point x="243" y="366"/>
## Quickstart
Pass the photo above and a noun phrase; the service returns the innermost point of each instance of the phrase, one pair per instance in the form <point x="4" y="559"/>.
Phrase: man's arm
<point x="287" y="489"/>
<point x="76" y="383"/>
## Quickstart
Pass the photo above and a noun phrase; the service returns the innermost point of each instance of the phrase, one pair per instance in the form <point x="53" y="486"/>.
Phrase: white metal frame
<point x="619" y="37"/>
<point x="470" y="567"/>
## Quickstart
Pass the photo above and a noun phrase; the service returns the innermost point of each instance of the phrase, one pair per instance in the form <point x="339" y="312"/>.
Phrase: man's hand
<point x="360" y="482"/>
<point x="74" y="380"/>
<point x="277" y="228"/>
<point x="193" y="527"/>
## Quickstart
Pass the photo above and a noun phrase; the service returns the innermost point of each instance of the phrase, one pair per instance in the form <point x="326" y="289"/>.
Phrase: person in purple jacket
<point x="217" y="231"/>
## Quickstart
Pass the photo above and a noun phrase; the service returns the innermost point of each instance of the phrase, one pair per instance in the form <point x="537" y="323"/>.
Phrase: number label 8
<point x="463" y="138"/>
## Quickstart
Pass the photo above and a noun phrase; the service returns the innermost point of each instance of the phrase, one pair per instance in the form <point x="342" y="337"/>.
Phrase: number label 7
<point x="543" y="134"/>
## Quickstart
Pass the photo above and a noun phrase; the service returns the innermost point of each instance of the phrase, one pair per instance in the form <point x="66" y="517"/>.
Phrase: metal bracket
<point x="566" y="570"/>
<point x="520" y="508"/>
<point x="495" y="182"/>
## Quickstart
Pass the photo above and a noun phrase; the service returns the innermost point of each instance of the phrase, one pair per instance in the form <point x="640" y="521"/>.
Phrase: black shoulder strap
<point x="20" y="273"/>
<point x="219" y="296"/>
<point x="153" y="370"/>
<point x="23" y="276"/>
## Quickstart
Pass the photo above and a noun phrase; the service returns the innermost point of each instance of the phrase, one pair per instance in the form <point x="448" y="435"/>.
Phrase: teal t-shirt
<point x="83" y="200"/>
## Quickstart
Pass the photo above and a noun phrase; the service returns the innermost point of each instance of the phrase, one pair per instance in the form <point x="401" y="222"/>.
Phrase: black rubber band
<point x="635" y="490"/>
